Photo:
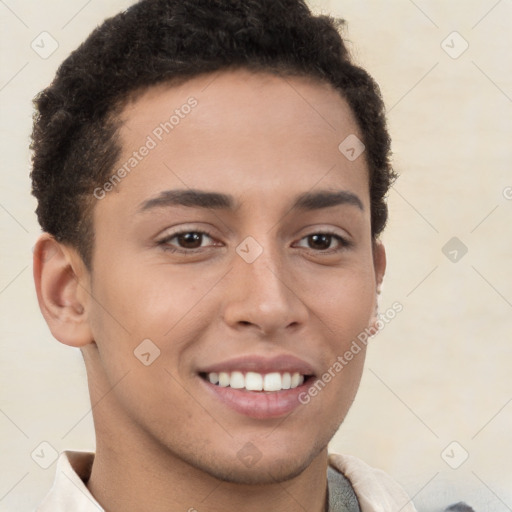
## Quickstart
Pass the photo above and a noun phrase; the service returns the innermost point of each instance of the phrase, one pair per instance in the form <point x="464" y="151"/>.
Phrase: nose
<point x="263" y="295"/>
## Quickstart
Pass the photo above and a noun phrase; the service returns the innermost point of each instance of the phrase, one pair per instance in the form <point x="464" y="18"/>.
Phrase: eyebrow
<point x="307" y="201"/>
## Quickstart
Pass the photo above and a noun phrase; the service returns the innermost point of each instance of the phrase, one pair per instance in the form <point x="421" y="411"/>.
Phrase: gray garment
<point x="342" y="497"/>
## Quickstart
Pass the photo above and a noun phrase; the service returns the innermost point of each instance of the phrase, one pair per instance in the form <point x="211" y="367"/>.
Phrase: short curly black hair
<point x="75" y="135"/>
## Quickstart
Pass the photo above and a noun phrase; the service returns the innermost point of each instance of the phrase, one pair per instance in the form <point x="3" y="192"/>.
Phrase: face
<point x="233" y="264"/>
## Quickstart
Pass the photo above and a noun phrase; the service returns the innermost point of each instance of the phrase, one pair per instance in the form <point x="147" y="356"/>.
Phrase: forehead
<point x="239" y="131"/>
<point x="243" y="99"/>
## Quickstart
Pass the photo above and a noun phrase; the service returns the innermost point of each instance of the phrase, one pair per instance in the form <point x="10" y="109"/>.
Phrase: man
<point x="211" y="181"/>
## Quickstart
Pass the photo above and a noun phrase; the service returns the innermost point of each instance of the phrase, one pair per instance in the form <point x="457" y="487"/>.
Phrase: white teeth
<point x="253" y="381"/>
<point x="224" y="379"/>
<point x="272" y="382"/>
<point x="237" y="380"/>
<point x="295" y="380"/>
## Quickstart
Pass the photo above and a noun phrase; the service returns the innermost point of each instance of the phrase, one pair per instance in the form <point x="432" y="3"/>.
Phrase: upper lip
<point x="260" y="364"/>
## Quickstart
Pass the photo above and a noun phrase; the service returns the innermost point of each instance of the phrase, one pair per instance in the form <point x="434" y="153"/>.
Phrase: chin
<point x="269" y="469"/>
<point x="262" y="473"/>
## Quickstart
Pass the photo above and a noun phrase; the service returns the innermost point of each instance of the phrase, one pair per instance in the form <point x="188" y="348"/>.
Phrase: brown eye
<point x="187" y="242"/>
<point x="320" y="241"/>
<point x="190" y="240"/>
<point x="323" y="242"/>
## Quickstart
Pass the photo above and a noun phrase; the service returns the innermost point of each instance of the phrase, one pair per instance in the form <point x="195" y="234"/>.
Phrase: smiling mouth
<point x="257" y="382"/>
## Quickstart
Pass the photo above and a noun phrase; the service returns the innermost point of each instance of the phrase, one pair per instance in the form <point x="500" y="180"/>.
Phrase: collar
<point x="69" y="491"/>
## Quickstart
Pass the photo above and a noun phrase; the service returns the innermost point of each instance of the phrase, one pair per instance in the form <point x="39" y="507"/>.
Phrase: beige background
<point x="441" y="370"/>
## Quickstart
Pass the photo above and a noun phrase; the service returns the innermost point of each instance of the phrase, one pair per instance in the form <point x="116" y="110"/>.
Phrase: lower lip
<point x="258" y="404"/>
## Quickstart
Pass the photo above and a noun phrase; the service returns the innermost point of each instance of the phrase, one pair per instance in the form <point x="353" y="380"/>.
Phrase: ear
<point x="62" y="283"/>
<point x="379" y="265"/>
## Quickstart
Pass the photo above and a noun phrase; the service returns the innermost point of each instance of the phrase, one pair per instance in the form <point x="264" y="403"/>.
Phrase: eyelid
<point x="183" y="228"/>
<point x="325" y="230"/>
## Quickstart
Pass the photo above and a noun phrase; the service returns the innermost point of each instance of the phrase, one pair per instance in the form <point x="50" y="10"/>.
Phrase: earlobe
<point x="60" y="280"/>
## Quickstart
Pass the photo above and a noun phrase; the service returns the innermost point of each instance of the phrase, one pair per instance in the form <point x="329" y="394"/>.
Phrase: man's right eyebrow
<point x="191" y="198"/>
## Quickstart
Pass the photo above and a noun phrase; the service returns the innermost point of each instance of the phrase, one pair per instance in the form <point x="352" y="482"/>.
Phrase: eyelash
<point x="344" y="243"/>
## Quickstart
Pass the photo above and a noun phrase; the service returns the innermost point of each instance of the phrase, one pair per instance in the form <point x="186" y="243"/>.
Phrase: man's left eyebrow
<point x="326" y="199"/>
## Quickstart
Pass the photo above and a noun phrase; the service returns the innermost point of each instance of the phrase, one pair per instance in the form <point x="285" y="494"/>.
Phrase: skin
<point x="163" y="444"/>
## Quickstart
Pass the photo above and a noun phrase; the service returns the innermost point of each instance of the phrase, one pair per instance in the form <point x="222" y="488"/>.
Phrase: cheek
<point x="147" y="302"/>
<point x="142" y="329"/>
<point x="146" y="299"/>
<point x="344" y="302"/>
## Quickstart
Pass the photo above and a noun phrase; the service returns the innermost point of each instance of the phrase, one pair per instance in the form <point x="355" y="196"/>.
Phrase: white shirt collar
<point x="69" y="492"/>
